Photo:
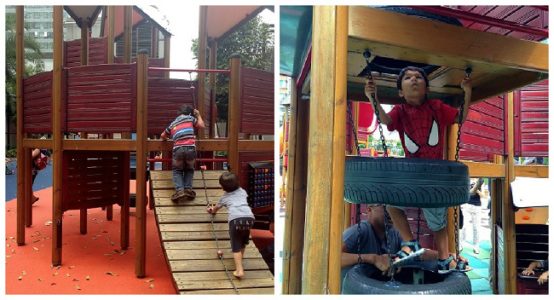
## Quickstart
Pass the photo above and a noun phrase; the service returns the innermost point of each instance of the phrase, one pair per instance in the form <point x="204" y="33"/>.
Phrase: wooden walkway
<point x="190" y="248"/>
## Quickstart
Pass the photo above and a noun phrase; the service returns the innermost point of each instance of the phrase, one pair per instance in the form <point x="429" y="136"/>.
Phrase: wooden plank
<point x="187" y="210"/>
<point x="215" y="265"/>
<point x="242" y="291"/>
<point x="225" y="283"/>
<point x="193" y="236"/>
<point x="191" y="227"/>
<point x="200" y="276"/>
<point x="201" y="145"/>
<point x="200" y="200"/>
<point x="196" y="184"/>
<point x="191" y="245"/>
<point x="233" y="115"/>
<point x="199" y="193"/>
<point x="480" y="169"/>
<point x="100" y="145"/>
<point x="508" y="216"/>
<point x="164" y="219"/>
<point x="168" y="175"/>
<point x="209" y="254"/>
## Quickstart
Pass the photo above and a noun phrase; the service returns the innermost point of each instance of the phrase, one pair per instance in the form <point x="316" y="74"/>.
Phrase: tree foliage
<point x="33" y="63"/>
<point x="254" y="42"/>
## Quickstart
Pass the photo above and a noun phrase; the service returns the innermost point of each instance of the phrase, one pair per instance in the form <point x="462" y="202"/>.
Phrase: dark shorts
<point x="239" y="231"/>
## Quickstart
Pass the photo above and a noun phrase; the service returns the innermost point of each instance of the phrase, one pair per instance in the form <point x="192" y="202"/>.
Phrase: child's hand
<point x="466" y="85"/>
<point x="528" y="271"/>
<point x="210" y="210"/>
<point x="543" y="278"/>
<point x="195" y="112"/>
<point x="369" y="88"/>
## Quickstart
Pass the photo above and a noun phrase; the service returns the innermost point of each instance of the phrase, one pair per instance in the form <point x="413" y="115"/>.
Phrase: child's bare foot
<point x="238" y="274"/>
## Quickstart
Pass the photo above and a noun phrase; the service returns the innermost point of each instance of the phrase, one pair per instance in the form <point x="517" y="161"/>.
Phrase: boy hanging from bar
<point x="181" y="130"/>
<point x="421" y="124"/>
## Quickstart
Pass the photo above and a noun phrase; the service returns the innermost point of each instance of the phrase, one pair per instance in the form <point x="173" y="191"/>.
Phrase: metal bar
<point x="225" y="71"/>
<point x="455" y="13"/>
<point x="198" y="159"/>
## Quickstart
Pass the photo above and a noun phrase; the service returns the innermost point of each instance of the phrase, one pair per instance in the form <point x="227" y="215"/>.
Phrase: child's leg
<point x="400" y="222"/>
<point x="239" y="270"/>
<point x="436" y="221"/>
<point x="177" y="168"/>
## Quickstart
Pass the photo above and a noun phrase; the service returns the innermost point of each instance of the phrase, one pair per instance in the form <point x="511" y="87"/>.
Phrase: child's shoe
<point x="189" y="194"/>
<point x="178" y="196"/>
<point x="404" y="257"/>
<point x="443" y="266"/>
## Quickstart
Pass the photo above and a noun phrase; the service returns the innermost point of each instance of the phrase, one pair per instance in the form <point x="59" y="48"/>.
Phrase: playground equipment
<point x="326" y="68"/>
<point x="124" y="98"/>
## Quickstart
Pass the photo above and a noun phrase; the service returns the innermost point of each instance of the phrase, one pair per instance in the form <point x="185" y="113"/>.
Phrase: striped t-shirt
<point x="182" y="131"/>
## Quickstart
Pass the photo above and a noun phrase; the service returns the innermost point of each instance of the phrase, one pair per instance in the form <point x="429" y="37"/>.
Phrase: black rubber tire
<point x="404" y="182"/>
<point x="365" y="279"/>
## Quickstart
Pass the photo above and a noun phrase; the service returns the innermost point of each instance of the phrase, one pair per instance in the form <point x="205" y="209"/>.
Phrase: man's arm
<point x="369" y="92"/>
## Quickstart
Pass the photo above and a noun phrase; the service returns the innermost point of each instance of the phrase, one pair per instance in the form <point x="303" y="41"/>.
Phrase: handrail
<point x="224" y="71"/>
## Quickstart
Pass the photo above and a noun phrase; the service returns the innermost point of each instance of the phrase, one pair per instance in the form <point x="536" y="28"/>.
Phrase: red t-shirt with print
<point x="421" y="128"/>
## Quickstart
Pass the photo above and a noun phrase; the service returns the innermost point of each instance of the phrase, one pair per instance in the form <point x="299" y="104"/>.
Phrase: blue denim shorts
<point x="435" y="217"/>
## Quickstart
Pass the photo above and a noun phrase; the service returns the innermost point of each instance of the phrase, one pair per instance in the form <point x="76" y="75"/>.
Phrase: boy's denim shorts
<point x="435" y="217"/>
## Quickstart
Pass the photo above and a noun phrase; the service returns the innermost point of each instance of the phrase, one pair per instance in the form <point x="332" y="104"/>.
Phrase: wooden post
<point x="495" y="196"/>
<point x="167" y="58"/>
<point x="127" y="33"/>
<point x="213" y="77"/>
<point x="28" y="186"/>
<point x="325" y="190"/>
<point x="142" y="92"/>
<point x="508" y="216"/>
<point x="233" y="114"/>
<point x="154" y="33"/>
<point x="111" y="32"/>
<point x="84" y="42"/>
<point x="21" y="157"/>
<point x="452" y="137"/>
<point x="202" y="45"/>
<point x="57" y="137"/>
<point x="296" y="195"/>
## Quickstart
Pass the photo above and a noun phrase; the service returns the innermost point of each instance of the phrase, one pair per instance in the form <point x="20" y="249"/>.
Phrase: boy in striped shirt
<point x="181" y="130"/>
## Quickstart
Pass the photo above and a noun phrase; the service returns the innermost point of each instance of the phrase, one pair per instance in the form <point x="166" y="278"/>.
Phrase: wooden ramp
<point x="189" y="245"/>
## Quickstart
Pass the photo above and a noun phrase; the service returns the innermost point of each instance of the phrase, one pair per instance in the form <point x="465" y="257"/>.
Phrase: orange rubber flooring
<point x="91" y="263"/>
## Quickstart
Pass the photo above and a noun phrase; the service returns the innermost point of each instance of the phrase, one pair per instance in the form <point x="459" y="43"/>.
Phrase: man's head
<point x="186" y="109"/>
<point x="412" y="84"/>
<point x="376" y="215"/>
<point x="229" y="181"/>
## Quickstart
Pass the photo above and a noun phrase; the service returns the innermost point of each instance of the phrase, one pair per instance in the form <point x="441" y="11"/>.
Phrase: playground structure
<point x="325" y="63"/>
<point x="86" y="93"/>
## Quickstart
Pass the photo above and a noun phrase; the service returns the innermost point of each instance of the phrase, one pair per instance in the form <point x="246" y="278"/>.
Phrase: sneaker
<point x="178" y="195"/>
<point x="189" y="194"/>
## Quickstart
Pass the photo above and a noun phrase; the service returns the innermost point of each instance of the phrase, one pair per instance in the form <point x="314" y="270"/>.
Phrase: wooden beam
<point x="508" y="215"/>
<point x="421" y="40"/>
<point x="21" y="157"/>
<point x="201" y="145"/>
<point x="202" y="47"/>
<point x="28" y="186"/>
<point x="167" y="53"/>
<point x="296" y="195"/>
<point x="251" y="145"/>
<point x="127" y="33"/>
<point x="483" y="169"/>
<point x="111" y="32"/>
<point x="213" y="82"/>
<point x="339" y="136"/>
<point x="101" y="145"/>
<point x="142" y="104"/>
<point x="536" y="171"/>
<point x="326" y="140"/>
<point x="233" y="117"/>
<point x="57" y="136"/>
<point x="37" y="143"/>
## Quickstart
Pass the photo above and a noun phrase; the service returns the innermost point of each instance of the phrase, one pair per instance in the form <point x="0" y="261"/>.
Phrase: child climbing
<point x="240" y="218"/>
<point x="181" y="131"/>
<point x="421" y="124"/>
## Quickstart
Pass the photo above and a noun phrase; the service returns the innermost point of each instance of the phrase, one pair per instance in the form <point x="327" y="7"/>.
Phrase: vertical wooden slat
<point x="142" y="92"/>
<point x="124" y="234"/>
<point x="508" y="216"/>
<point x="28" y="186"/>
<point x="84" y="42"/>
<point x="202" y="44"/>
<point x="495" y="196"/>
<point x="57" y="137"/>
<point x="325" y="183"/>
<point x="339" y="138"/>
<point x="452" y="137"/>
<point x="233" y="117"/>
<point x="21" y="157"/>
<point x="111" y="32"/>
<point x="127" y="33"/>
<point x="167" y="49"/>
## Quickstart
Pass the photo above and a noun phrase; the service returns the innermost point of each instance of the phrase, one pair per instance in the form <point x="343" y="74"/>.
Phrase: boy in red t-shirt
<point x="421" y="124"/>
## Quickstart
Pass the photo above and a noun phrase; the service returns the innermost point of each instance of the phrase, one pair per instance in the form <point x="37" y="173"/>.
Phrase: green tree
<point x="254" y="42"/>
<point x="33" y="64"/>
